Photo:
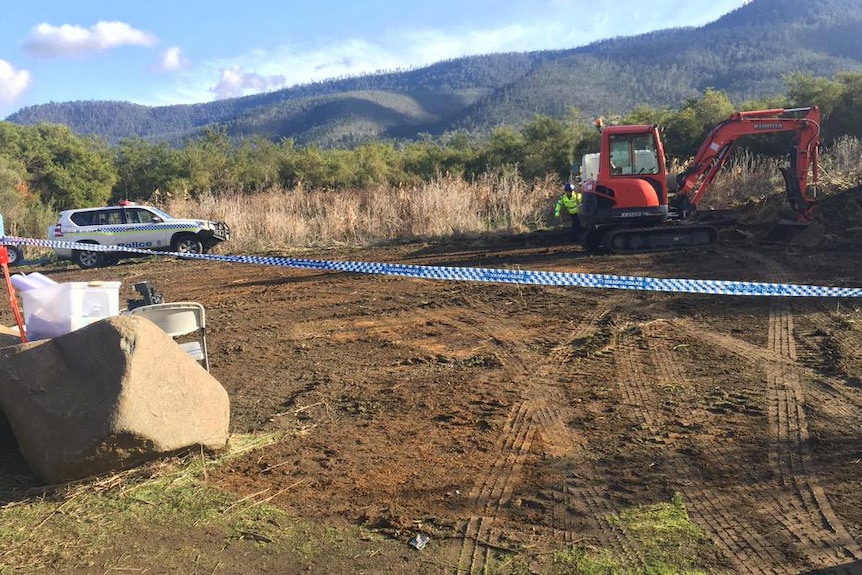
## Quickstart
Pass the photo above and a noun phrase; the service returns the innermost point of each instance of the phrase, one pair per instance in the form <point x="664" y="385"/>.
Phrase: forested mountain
<point x="746" y="54"/>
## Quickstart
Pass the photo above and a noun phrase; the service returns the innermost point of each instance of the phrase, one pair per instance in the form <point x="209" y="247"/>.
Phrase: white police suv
<point x="134" y="226"/>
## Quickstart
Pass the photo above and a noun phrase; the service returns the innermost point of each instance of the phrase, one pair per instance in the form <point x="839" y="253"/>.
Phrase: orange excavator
<point x="631" y="204"/>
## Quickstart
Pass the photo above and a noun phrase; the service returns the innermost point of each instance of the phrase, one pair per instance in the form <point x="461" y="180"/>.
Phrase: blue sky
<point x="164" y="52"/>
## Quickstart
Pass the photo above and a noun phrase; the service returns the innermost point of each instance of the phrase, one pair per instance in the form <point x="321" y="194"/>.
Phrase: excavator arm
<point x="694" y="182"/>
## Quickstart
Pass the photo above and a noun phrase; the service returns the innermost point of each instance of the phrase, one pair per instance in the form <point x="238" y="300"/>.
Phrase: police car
<point x="134" y="226"/>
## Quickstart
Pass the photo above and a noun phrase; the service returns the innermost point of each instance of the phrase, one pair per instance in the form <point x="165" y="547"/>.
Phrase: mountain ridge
<point x="746" y="53"/>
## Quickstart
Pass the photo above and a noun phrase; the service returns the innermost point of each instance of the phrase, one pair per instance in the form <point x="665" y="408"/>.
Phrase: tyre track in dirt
<point x="836" y="382"/>
<point x="494" y="491"/>
<point x="580" y="496"/>
<point x="715" y="509"/>
<point x="827" y="389"/>
<point x="633" y="381"/>
<point x="464" y="319"/>
<point x="461" y="324"/>
<point x="538" y="415"/>
<point x="794" y="502"/>
<point x="796" y="505"/>
<point x="809" y="515"/>
<point x="642" y="368"/>
<point x="491" y="493"/>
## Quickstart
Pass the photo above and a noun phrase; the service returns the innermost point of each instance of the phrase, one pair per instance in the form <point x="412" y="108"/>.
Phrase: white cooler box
<point x="58" y="309"/>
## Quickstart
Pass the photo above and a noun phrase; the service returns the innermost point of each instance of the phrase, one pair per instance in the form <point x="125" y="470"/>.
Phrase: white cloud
<point x="172" y="60"/>
<point x="297" y="65"/>
<point x="235" y="82"/>
<point x="13" y="82"/>
<point x="49" y="41"/>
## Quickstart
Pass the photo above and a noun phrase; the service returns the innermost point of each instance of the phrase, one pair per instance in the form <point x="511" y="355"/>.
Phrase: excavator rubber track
<point x="653" y="239"/>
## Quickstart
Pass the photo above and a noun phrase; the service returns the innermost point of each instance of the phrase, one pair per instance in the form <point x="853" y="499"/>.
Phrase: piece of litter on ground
<point x="420" y="541"/>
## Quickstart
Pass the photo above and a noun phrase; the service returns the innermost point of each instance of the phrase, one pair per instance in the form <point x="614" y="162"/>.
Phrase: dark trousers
<point x="576" y="225"/>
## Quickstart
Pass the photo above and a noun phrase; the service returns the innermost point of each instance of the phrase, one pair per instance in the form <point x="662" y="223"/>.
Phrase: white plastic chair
<point x="178" y="319"/>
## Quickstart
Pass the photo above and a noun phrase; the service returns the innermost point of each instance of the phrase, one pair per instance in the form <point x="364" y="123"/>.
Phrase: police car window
<point x="139" y="216"/>
<point x="83" y="218"/>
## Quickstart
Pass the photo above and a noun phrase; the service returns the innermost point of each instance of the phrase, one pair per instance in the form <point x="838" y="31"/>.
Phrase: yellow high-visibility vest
<point x="571" y="203"/>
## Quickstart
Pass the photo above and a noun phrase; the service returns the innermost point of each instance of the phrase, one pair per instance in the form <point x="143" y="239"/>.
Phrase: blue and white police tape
<point x="492" y="275"/>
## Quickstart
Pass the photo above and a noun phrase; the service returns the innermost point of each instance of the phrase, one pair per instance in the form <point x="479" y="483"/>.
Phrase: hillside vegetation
<point x="746" y="54"/>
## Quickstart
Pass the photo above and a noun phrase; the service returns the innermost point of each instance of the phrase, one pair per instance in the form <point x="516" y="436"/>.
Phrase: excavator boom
<point x="694" y="183"/>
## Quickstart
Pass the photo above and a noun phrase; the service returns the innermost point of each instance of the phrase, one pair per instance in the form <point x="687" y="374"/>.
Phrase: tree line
<point x="47" y="167"/>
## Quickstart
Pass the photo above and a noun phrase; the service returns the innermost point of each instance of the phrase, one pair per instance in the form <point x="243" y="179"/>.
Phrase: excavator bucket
<point x="786" y="231"/>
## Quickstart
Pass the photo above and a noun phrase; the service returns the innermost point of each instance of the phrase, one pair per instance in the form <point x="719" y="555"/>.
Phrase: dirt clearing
<point x="512" y="421"/>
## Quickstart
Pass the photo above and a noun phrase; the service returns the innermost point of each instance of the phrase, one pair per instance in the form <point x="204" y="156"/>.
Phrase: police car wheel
<point x="188" y="244"/>
<point x="16" y="256"/>
<point x="88" y="259"/>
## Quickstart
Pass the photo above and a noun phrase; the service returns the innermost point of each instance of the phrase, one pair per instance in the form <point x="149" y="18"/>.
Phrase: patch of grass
<point x="584" y="562"/>
<point x="166" y="502"/>
<point x="666" y="536"/>
<point x="665" y="539"/>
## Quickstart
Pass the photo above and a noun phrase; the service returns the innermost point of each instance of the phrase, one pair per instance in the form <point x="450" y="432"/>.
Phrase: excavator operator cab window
<point x="633" y="154"/>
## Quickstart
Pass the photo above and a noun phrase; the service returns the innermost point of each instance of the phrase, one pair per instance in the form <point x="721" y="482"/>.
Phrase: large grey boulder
<point x="106" y="397"/>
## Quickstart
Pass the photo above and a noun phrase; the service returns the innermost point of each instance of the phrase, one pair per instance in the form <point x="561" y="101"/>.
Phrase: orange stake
<point x="13" y="301"/>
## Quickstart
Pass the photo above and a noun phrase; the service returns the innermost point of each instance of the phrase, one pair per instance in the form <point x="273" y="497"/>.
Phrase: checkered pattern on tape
<point x="491" y="275"/>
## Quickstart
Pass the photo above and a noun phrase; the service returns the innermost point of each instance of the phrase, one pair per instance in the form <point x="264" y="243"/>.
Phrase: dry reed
<point x="280" y="219"/>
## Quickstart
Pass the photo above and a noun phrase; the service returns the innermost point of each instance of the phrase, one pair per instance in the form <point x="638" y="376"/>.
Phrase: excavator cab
<point x="630" y="184"/>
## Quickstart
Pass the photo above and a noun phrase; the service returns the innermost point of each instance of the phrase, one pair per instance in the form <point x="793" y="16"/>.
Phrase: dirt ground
<point x="496" y="417"/>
